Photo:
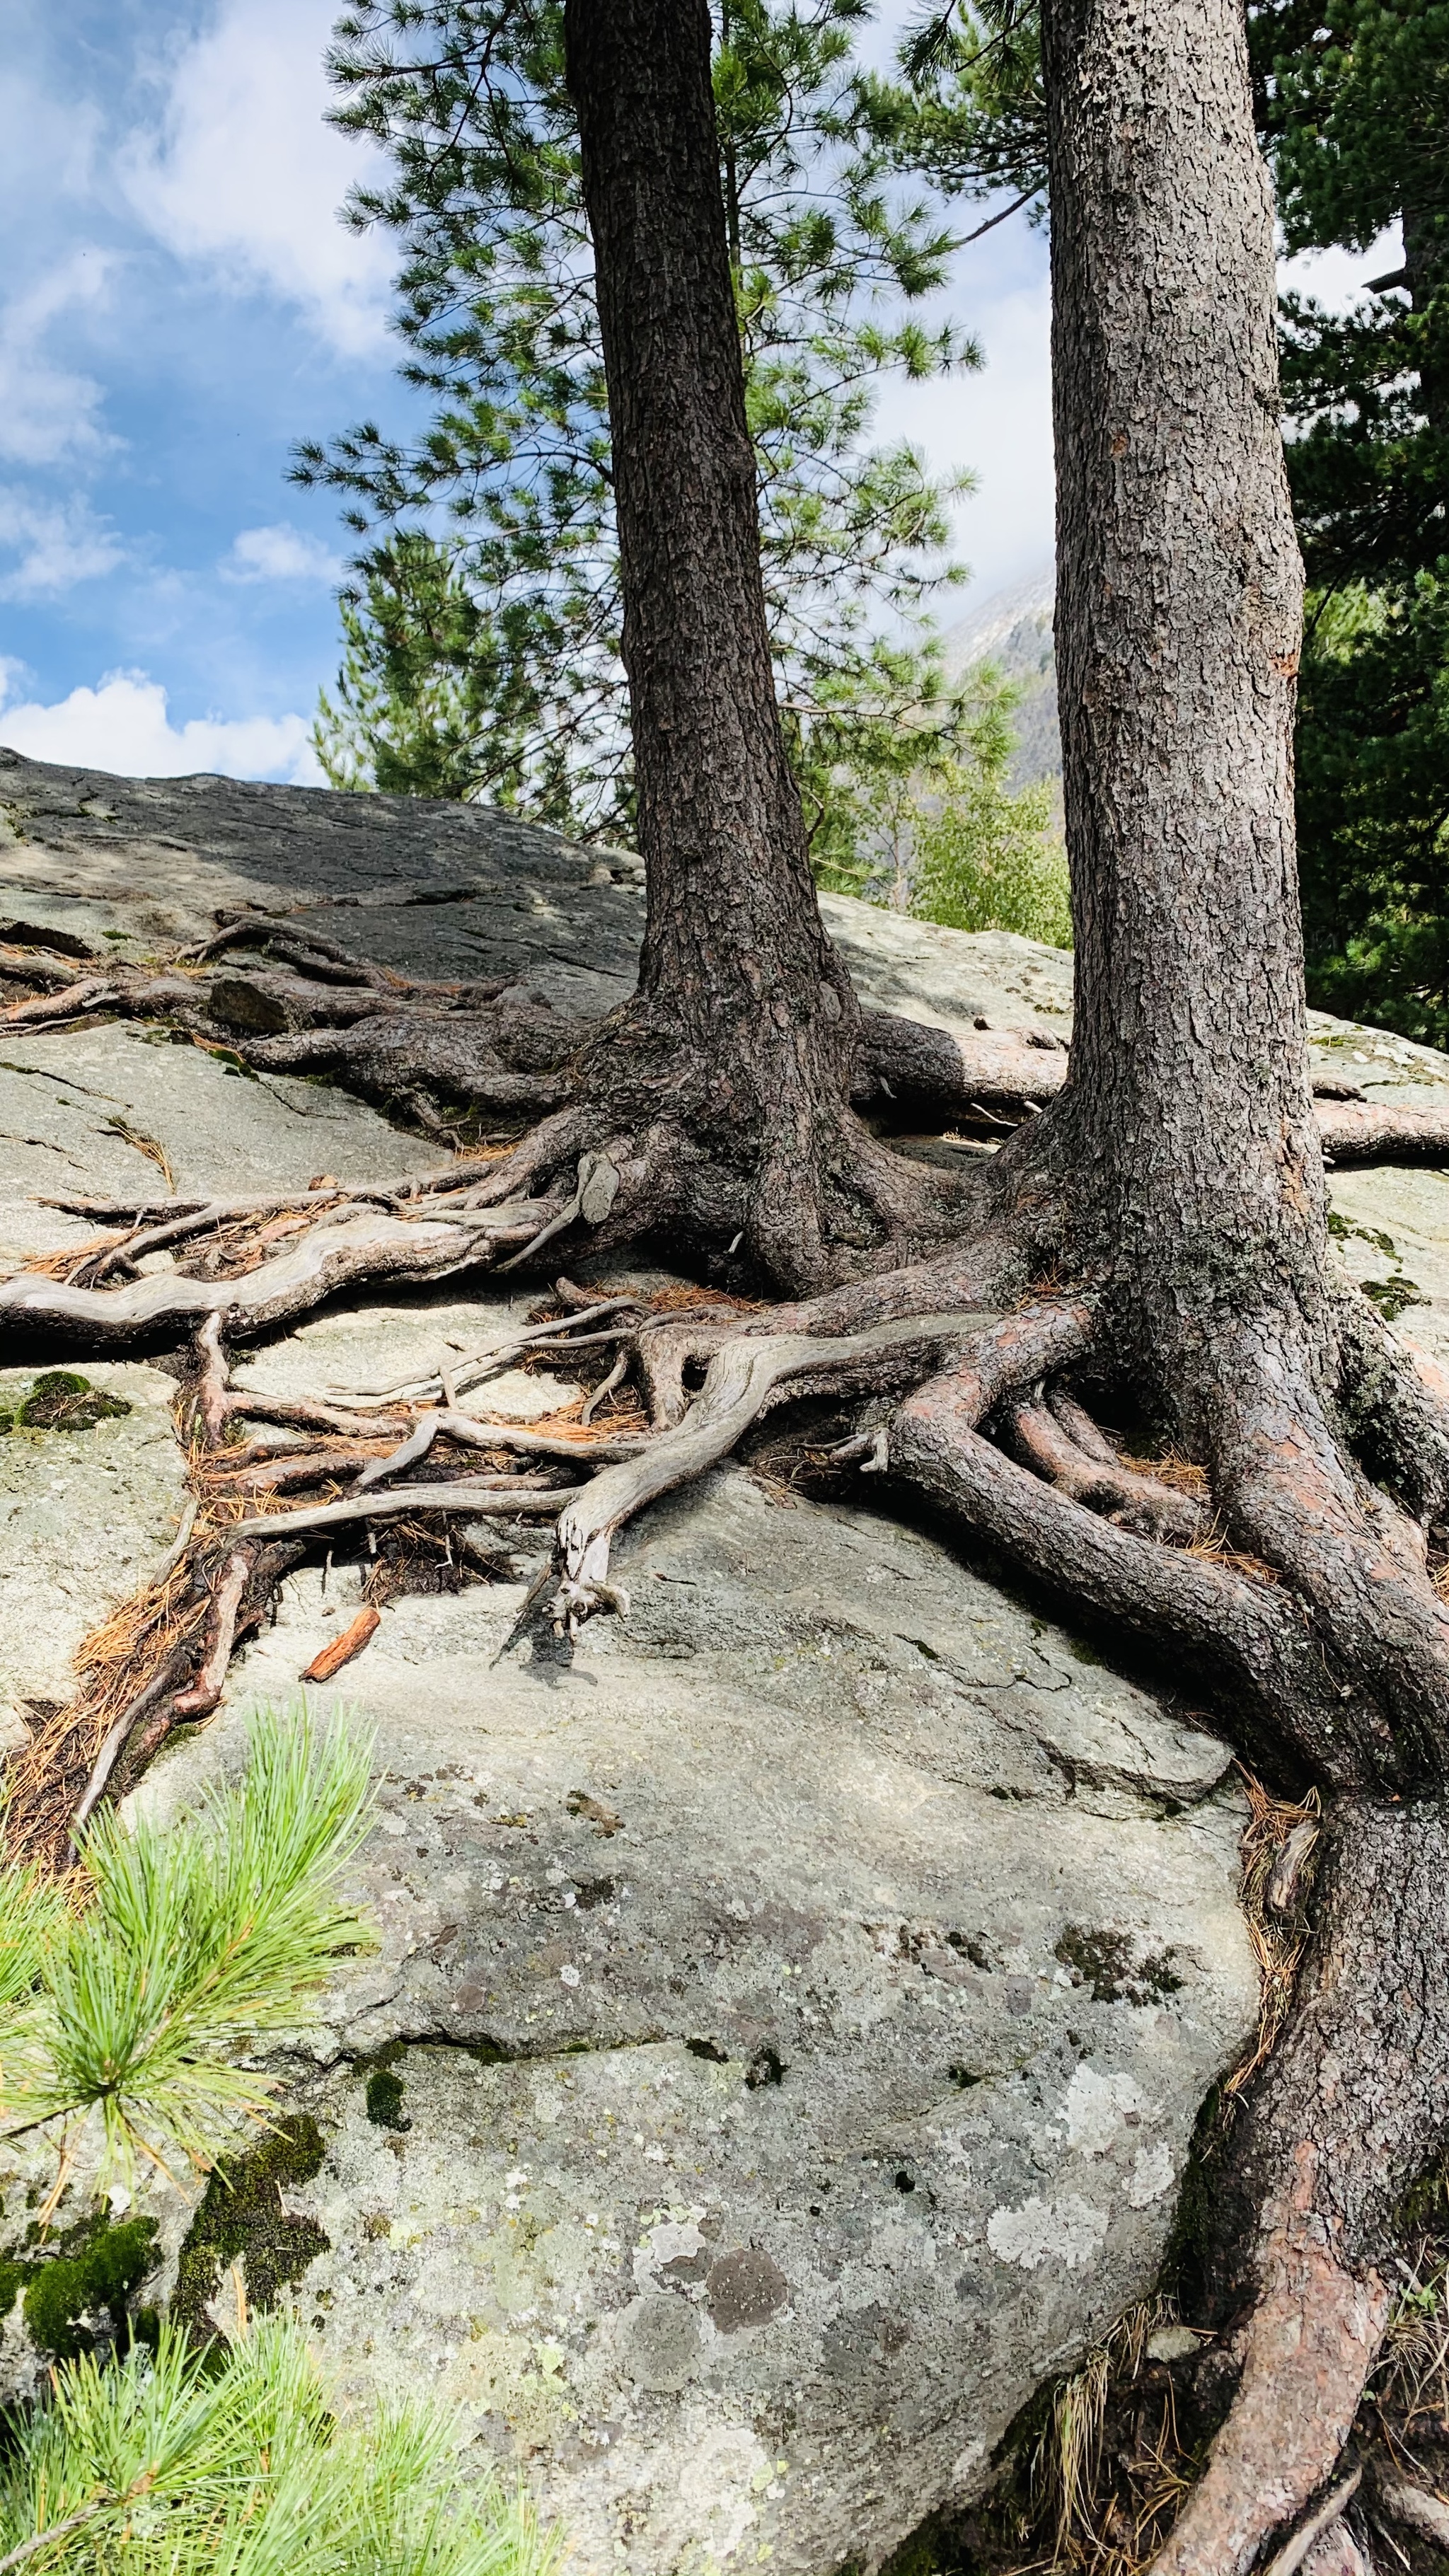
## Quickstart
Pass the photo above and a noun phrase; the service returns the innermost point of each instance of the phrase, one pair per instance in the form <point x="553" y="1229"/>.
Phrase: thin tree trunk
<point x="736" y="960"/>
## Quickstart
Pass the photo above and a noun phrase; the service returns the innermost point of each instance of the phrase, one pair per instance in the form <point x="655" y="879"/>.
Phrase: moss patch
<point x="243" y="2215"/>
<point x="61" y="1401"/>
<point x="385" y="2100"/>
<point x="91" y="2274"/>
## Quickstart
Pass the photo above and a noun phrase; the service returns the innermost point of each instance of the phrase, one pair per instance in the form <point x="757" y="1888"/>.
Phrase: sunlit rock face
<point x="793" y="2003"/>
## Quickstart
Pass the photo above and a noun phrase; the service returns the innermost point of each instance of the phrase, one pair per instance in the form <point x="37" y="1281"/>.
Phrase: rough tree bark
<point x="1153" y="1241"/>
<point x="736" y="960"/>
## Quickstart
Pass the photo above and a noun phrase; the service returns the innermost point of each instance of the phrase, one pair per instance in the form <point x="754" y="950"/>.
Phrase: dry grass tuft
<point x="115" y="1663"/>
<point x="1174" y="1471"/>
<point x="1111" y="2470"/>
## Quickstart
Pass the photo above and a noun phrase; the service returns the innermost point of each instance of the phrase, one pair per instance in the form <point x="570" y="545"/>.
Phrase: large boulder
<point x="793" y="2003"/>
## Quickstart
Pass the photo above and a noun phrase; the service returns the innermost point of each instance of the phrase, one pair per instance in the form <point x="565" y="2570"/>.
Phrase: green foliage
<point x="916" y="812"/>
<point x="978" y="118"/>
<point x="986" y="858"/>
<point x="1354" y="106"/>
<point x="482" y="632"/>
<point x="1373" y="804"/>
<point x="200" y="1944"/>
<point x="993" y="861"/>
<point x="59" y="1400"/>
<point x="874" y="764"/>
<point x="230" y="2463"/>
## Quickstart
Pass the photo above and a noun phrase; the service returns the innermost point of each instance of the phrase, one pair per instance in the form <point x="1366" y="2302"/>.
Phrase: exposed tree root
<point x="490" y="1049"/>
<point x="1290" y="1566"/>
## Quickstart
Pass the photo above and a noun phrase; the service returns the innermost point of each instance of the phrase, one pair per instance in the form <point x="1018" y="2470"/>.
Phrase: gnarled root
<point x="742" y="1379"/>
<point x="497" y="1049"/>
<point x="1296" y="1582"/>
<point x="1350" y="2109"/>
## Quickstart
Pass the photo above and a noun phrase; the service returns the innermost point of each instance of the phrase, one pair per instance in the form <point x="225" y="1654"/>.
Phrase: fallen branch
<point x="1381" y="1132"/>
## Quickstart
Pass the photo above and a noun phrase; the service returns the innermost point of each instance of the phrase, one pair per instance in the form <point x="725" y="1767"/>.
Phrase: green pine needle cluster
<point x="1353" y="100"/>
<point x="199" y="1945"/>
<point x="230" y="2462"/>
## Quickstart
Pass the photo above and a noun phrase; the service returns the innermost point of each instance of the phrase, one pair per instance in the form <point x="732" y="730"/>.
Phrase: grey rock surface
<point x="84" y="1518"/>
<point x="801" y="1995"/>
<point x="803" y="1991"/>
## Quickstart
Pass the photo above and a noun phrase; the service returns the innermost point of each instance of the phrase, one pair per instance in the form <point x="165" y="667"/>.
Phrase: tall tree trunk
<point x="1179" y="594"/>
<point x="736" y="961"/>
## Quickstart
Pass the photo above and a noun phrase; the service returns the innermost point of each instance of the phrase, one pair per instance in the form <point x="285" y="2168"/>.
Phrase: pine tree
<point x="483" y="631"/>
<point x="1353" y="104"/>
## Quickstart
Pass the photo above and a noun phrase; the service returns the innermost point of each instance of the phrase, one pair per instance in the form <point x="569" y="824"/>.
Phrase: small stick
<point x="1292" y="2555"/>
<point x="492" y="1352"/>
<point x="341" y="1649"/>
<point x="115" y="1743"/>
<point x="606" y="1388"/>
<point x="179" y="1544"/>
<point x="470" y="1433"/>
<point x="207" y="1688"/>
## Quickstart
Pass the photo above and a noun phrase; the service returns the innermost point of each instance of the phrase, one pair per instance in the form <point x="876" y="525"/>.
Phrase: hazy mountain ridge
<point x="1013" y="629"/>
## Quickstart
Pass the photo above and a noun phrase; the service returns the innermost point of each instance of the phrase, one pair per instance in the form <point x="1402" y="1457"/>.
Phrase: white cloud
<point x="123" y="726"/>
<point x="1336" y="278"/>
<point x="245" y="177"/>
<point x="999" y="423"/>
<point x="47" y="412"/>
<point x="280" y="554"/>
<point x="59" y="543"/>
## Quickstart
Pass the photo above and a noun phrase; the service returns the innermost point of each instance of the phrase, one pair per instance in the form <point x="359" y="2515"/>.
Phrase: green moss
<point x="95" y="2270"/>
<point x="243" y="2215"/>
<point x="385" y="2100"/>
<point x="61" y="1401"/>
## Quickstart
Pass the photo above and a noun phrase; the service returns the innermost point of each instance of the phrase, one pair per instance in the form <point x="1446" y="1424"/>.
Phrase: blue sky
<point x="181" y="303"/>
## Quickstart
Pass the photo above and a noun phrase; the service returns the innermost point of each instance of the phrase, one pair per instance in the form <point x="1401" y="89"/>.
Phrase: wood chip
<point x="342" y="1649"/>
